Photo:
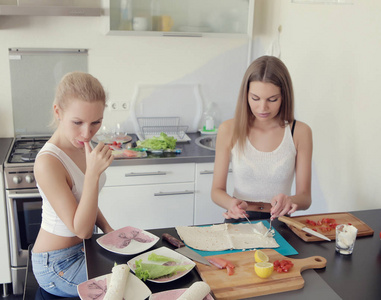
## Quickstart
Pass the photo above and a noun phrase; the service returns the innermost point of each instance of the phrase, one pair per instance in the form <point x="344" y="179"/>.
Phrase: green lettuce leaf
<point x="155" y="257"/>
<point x="161" y="142"/>
<point x="146" y="271"/>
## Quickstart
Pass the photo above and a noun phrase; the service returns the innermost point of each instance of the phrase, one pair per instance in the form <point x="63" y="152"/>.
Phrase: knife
<point x="184" y="250"/>
<point x="301" y="226"/>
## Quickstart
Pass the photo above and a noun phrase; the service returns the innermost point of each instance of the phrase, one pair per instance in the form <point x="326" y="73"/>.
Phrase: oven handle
<point x="23" y="195"/>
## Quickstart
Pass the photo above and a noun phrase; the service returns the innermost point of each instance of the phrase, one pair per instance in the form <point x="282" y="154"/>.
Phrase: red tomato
<point x="277" y="264"/>
<point x="286" y="268"/>
<point x="114" y="143"/>
<point x="279" y="270"/>
<point x="218" y="262"/>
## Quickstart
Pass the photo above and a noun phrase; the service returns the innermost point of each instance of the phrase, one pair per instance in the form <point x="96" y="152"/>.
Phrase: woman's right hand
<point x="236" y="210"/>
<point x="98" y="159"/>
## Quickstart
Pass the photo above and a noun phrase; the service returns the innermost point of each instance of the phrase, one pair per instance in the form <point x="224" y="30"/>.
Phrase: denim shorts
<point x="60" y="271"/>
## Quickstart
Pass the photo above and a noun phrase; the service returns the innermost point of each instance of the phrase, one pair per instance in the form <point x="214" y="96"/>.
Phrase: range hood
<point x="50" y="7"/>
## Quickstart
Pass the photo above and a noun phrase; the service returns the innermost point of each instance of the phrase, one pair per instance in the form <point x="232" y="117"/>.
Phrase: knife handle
<point x="291" y="222"/>
<point x="172" y="240"/>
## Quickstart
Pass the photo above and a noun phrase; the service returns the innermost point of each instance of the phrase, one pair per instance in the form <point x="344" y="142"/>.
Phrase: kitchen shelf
<point x="187" y="18"/>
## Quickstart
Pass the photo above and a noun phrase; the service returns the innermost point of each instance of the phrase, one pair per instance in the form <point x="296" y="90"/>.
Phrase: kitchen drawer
<point x="149" y="174"/>
<point x="148" y="206"/>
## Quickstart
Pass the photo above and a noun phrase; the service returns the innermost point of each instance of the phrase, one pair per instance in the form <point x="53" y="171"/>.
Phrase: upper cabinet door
<point x="50" y="7"/>
<point x="181" y="18"/>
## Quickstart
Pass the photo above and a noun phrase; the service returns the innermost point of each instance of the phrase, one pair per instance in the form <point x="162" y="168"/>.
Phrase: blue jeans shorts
<point x="60" y="271"/>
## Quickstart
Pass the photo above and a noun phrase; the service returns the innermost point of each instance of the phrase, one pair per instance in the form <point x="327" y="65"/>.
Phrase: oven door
<point x="24" y="208"/>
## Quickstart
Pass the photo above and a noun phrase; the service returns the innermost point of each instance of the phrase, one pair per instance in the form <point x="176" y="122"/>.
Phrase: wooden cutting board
<point x="340" y="218"/>
<point x="245" y="282"/>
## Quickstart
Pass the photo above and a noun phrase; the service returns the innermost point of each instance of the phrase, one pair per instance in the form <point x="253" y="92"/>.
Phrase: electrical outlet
<point x="112" y="106"/>
<point x="124" y="105"/>
<point x="115" y="105"/>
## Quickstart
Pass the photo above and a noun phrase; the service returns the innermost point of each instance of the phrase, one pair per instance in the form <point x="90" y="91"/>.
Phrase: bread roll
<point x="197" y="291"/>
<point x="118" y="282"/>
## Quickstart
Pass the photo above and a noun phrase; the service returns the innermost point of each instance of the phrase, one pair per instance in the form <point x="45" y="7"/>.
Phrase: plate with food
<point x="127" y="240"/>
<point x="112" y="139"/>
<point x="128" y="153"/>
<point x="198" y="290"/>
<point x="121" y="283"/>
<point x="160" y="265"/>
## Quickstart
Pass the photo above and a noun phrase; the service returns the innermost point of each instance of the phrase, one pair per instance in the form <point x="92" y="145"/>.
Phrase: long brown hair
<point x="265" y="69"/>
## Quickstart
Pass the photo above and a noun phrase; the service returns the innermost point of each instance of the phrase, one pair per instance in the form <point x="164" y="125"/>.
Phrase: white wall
<point x="331" y="51"/>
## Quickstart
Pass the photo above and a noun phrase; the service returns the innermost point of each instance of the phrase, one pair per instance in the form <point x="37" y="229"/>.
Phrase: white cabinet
<point x="149" y="196"/>
<point x="206" y="211"/>
<point x="181" y="18"/>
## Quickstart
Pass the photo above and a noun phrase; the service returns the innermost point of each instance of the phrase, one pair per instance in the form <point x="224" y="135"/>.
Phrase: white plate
<point x="96" y="288"/>
<point x="127" y="240"/>
<point x="109" y="140"/>
<point x="166" y="252"/>
<point x="173" y="295"/>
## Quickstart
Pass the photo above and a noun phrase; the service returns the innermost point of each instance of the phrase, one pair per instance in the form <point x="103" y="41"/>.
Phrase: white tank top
<point x="259" y="176"/>
<point x="50" y="220"/>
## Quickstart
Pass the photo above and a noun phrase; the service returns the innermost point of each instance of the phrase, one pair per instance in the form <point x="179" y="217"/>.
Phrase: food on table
<point x="117" y="285"/>
<point x="222" y="263"/>
<point x="155" y="257"/>
<point x="169" y="267"/>
<point x="324" y="224"/>
<point x="122" y="239"/>
<point x="226" y="236"/>
<point x="345" y="238"/>
<point x="161" y="142"/>
<point x="283" y="265"/>
<point x="197" y="291"/>
<point x="260" y="256"/>
<point x="146" y="271"/>
<point x="126" y="153"/>
<point x="263" y="269"/>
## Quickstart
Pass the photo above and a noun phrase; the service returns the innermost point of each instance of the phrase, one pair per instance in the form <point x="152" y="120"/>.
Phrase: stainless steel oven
<point x="24" y="204"/>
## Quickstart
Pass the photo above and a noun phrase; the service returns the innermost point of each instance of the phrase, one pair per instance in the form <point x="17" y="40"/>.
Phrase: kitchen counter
<point x="348" y="277"/>
<point x="190" y="153"/>
<point x="5" y="144"/>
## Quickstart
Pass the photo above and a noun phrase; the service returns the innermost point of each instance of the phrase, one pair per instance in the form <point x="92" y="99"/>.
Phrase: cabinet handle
<point x="145" y="173"/>
<point x="206" y="172"/>
<point x="173" y="193"/>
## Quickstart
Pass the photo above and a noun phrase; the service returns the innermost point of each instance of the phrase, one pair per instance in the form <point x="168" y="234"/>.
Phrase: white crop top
<point x="259" y="176"/>
<point x="50" y="220"/>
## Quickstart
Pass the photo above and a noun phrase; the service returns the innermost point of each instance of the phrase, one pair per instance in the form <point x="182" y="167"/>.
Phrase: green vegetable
<point x="146" y="271"/>
<point x="161" y="142"/>
<point x="155" y="257"/>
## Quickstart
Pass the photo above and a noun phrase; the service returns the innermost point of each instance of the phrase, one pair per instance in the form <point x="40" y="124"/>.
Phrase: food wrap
<point x="117" y="285"/>
<point x="197" y="291"/>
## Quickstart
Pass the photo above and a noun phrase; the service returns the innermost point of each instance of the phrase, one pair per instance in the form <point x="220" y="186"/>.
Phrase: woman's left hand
<point x="282" y="205"/>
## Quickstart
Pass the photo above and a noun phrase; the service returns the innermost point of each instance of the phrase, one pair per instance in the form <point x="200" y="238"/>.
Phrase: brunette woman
<point x="267" y="147"/>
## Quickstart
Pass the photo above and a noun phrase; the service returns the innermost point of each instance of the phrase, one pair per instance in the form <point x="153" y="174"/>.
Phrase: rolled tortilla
<point x="197" y="291"/>
<point x="118" y="282"/>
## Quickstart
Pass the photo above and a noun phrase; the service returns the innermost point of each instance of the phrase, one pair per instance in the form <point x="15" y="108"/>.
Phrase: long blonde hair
<point x="265" y="69"/>
<point x="78" y="85"/>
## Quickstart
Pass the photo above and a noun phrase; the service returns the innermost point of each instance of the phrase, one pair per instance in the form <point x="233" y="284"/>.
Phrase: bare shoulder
<point x="47" y="166"/>
<point x="302" y="130"/>
<point x="226" y="128"/>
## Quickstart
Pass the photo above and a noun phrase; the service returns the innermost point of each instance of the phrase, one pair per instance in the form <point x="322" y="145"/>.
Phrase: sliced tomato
<point x="277" y="263"/>
<point x="230" y="270"/>
<point x="130" y="153"/>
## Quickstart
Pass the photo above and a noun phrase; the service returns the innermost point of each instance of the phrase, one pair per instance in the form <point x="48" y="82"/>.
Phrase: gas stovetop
<point x="25" y="149"/>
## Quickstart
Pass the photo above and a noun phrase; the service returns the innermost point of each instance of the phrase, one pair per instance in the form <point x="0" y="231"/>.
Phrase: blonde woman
<point x="266" y="146"/>
<point x="69" y="176"/>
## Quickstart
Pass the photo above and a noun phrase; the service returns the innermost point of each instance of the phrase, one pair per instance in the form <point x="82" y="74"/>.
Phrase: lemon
<point x="264" y="269"/>
<point x="260" y="256"/>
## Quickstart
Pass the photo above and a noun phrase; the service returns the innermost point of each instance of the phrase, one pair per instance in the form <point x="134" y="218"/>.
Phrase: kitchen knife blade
<point x="303" y="227"/>
<point x="184" y="250"/>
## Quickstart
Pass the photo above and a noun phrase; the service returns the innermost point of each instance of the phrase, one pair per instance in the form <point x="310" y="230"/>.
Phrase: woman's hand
<point x="236" y="210"/>
<point x="98" y="159"/>
<point x="282" y="205"/>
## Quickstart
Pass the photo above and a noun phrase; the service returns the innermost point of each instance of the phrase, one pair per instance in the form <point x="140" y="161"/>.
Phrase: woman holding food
<point x="69" y="176"/>
<point x="266" y="147"/>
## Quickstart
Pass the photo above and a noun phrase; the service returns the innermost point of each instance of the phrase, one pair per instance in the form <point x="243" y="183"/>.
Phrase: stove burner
<point x="29" y="156"/>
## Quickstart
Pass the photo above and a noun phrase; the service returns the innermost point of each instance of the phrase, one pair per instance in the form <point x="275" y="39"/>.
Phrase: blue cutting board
<point x="284" y="247"/>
